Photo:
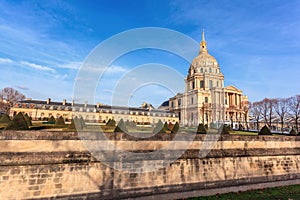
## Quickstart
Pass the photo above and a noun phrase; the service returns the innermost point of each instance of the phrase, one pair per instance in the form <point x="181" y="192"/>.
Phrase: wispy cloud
<point x="38" y="67"/>
<point x="70" y="65"/>
<point x="5" y="61"/>
<point x="114" y="69"/>
<point x="21" y="87"/>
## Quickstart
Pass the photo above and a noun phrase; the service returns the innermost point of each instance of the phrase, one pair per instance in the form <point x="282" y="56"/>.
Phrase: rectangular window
<point x="179" y="102"/>
<point x="201" y="84"/>
<point x="206" y="99"/>
<point x="193" y="85"/>
<point x="192" y="100"/>
<point x="210" y="84"/>
<point x="172" y="104"/>
<point x="217" y="83"/>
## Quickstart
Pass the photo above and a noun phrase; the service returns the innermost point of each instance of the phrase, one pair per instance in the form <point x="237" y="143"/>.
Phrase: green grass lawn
<point x="291" y="192"/>
<point x="243" y="133"/>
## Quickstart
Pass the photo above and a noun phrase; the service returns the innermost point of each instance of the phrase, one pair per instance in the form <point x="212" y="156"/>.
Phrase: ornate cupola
<point x="204" y="72"/>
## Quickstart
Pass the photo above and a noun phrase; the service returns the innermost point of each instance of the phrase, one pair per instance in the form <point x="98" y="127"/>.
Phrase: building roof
<point x="62" y="106"/>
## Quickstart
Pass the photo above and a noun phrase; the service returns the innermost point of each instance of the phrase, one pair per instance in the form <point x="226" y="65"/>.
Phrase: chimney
<point x="85" y="104"/>
<point x="48" y="100"/>
<point x="64" y="102"/>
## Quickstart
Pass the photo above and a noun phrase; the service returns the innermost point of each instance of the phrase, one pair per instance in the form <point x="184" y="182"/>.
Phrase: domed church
<point x="205" y="99"/>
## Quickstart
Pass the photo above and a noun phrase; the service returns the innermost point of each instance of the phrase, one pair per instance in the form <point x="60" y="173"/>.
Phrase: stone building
<point x="42" y="110"/>
<point x="205" y="98"/>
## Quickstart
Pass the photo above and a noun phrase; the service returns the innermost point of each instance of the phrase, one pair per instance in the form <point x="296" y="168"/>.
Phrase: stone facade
<point x="56" y="164"/>
<point x="41" y="110"/>
<point x="206" y="99"/>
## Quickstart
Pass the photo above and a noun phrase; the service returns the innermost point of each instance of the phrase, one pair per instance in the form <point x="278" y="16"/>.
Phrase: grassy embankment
<point x="291" y="192"/>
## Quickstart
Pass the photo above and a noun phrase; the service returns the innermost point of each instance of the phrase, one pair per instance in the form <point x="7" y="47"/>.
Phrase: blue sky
<point x="43" y="43"/>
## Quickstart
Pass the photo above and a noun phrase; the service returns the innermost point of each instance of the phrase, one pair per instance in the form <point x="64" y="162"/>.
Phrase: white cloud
<point x="5" y="61"/>
<point x="71" y="65"/>
<point x="21" y="87"/>
<point x="114" y="69"/>
<point x="38" y="67"/>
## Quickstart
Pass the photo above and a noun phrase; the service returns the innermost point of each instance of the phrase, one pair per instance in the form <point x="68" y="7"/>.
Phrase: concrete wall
<point x="41" y="164"/>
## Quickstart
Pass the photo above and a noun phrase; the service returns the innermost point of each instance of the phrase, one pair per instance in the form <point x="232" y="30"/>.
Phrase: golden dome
<point x="204" y="62"/>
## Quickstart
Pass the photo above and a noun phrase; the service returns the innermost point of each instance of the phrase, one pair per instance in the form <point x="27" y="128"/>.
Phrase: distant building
<point x="205" y="99"/>
<point x="42" y="110"/>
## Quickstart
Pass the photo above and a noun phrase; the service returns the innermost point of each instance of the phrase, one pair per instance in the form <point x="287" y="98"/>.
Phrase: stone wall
<point x="40" y="164"/>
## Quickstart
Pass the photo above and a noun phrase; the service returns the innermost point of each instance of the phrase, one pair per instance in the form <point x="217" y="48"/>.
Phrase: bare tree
<point x="281" y="108"/>
<point x="8" y="97"/>
<point x="245" y="107"/>
<point x="255" y="109"/>
<point x="294" y="107"/>
<point x="268" y="111"/>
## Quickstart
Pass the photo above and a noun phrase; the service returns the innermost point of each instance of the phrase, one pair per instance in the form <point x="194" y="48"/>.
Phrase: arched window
<point x="209" y="70"/>
<point x="201" y="70"/>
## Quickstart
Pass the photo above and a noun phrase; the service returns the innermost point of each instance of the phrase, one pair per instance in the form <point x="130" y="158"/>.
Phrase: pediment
<point x="232" y="88"/>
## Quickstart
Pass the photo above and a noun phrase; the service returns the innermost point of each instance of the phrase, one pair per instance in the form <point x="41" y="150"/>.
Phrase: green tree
<point x="17" y="123"/>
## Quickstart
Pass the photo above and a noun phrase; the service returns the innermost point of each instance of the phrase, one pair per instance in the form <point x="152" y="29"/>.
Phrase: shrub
<point x="28" y="120"/>
<point x="166" y="126"/>
<point x="293" y="132"/>
<point x="17" y="123"/>
<point x="52" y="120"/>
<point x="264" y="131"/>
<point x="121" y="127"/>
<point x="111" y="122"/>
<point x="76" y="124"/>
<point x="5" y="119"/>
<point x="175" y="128"/>
<point x="226" y="129"/>
<point x="201" y="129"/>
<point x="82" y="122"/>
<point x="130" y="124"/>
<point x="60" y="121"/>
<point x="159" y="128"/>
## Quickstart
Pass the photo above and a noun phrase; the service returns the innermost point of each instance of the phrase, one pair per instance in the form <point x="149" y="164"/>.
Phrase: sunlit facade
<point x="205" y="99"/>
